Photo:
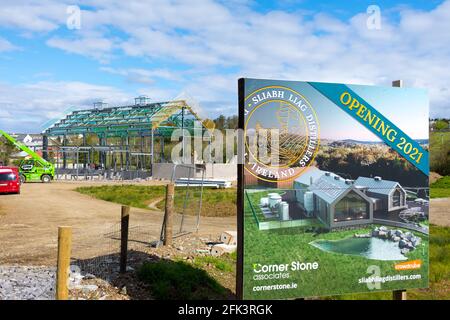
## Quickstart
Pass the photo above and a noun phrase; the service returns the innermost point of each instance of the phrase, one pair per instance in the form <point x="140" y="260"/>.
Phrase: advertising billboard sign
<point x="333" y="189"/>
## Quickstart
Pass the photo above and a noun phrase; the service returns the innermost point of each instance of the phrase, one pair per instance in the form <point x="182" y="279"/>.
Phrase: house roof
<point x="328" y="188"/>
<point x="380" y="186"/>
<point x="20" y="136"/>
<point x="32" y="137"/>
<point x="312" y="172"/>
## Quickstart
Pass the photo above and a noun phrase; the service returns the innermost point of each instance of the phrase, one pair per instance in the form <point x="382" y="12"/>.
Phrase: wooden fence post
<point x="170" y="191"/>
<point x="63" y="264"/>
<point x="124" y="224"/>
<point x="398" y="294"/>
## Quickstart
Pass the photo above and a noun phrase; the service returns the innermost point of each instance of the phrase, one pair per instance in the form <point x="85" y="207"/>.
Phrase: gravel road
<point x="27" y="283"/>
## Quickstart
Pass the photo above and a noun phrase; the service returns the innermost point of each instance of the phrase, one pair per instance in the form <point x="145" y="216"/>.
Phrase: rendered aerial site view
<point x="237" y="150"/>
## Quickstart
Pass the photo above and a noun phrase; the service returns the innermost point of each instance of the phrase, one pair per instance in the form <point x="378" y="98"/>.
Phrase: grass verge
<point x="215" y="203"/>
<point x="220" y="263"/>
<point x="440" y="188"/>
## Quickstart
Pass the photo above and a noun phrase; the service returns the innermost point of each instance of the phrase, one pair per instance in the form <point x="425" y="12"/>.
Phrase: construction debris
<point x="221" y="248"/>
<point x="229" y="237"/>
<point x="207" y="183"/>
<point x="228" y="244"/>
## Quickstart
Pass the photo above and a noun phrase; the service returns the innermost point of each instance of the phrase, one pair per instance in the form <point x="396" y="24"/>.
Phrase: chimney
<point x="336" y="178"/>
<point x="377" y="178"/>
<point x="327" y="174"/>
<point x="348" y="181"/>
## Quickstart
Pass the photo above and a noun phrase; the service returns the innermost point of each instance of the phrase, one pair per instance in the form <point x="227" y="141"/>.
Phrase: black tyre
<point x="46" y="178"/>
<point x="22" y="179"/>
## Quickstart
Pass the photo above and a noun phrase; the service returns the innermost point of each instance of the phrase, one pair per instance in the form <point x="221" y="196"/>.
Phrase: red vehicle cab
<point x="9" y="180"/>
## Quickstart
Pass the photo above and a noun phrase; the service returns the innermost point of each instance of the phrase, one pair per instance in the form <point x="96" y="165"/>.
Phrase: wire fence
<point x="100" y="256"/>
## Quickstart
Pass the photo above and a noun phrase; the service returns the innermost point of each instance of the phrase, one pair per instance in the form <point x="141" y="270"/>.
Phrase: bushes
<point x="216" y="202"/>
<point x="440" y="152"/>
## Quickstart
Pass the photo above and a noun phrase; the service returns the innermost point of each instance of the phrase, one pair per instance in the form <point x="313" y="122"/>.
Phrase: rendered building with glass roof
<point x="339" y="202"/>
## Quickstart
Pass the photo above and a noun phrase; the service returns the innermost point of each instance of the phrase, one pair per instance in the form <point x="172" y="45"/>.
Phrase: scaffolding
<point x="128" y="140"/>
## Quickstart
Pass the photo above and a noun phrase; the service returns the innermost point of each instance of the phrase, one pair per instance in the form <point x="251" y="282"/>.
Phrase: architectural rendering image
<point x="344" y="204"/>
<point x="334" y="202"/>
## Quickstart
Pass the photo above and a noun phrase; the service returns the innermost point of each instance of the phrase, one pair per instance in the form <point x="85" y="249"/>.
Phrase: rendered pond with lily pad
<point x="370" y="248"/>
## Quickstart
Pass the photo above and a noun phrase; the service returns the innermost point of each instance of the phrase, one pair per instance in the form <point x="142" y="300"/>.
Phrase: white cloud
<point x="295" y="45"/>
<point x="5" y="45"/>
<point x="144" y="76"/>
<point x="5" y="114"/>
<point x="32" y="15"/>
<point x="207" y="36"/>
<point x="92" y="46"/>
<point x="30" y="106"/>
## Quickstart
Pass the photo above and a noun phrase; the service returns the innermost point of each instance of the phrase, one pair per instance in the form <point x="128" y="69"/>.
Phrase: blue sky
<point x="198" y="49"/>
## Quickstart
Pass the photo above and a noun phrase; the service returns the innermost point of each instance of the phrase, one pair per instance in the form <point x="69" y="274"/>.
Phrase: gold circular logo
<point x="281" y="134"/>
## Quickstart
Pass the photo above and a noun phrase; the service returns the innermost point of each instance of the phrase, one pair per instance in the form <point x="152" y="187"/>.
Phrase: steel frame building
<point x="143" y="121"/>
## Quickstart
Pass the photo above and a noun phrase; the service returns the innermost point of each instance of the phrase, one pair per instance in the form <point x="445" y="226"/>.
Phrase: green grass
<point x="178" y="280"/>
<point x="440" y="152"/>
<point x="337" y="273"/>
<point x="440" y="188"/>
<point x="224" y="263"/>
<point x="216" y="202"/>
<point x="439" y="272"/>
<point x="439" y="193"/>
<point x="425" y="223"/>
<point x="233" y="256"/>
<point x="130" y="195"/>
<point x="440" y="253"/>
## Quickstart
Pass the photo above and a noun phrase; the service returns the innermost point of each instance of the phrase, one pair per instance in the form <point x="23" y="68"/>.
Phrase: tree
<point x="232" y="122"/>
<point x="220" y="122"/>
<point x="441" y="125"/>
<point x="6" y="150"/>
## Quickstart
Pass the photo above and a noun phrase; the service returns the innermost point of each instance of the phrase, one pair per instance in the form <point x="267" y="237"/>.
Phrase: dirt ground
<point x="29" y="222"/>
<point x="440" y="212"/>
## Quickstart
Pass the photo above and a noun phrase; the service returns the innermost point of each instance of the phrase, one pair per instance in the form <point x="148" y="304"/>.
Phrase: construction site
<point x="119" y="143"/>
<point x="93" y="164"/>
